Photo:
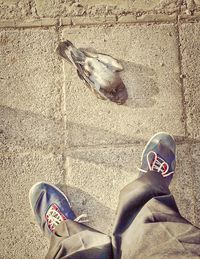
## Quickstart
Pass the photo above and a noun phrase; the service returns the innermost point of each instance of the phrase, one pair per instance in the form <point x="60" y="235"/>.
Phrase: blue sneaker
<point x="159" y="156"/>
<point x="50" y="207"/>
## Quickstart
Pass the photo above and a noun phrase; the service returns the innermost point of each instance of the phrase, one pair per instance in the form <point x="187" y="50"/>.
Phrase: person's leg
<point x="74" y="240"/>
<point x="68" y="237"/>
<point x="148" y="223"/>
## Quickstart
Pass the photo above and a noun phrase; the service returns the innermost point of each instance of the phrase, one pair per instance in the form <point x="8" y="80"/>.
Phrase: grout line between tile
<point x="184" y="113"/>
<point x="63" y="110"/>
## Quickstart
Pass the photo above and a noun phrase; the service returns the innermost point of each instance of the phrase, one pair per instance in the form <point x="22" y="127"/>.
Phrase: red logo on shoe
<point x="54" y="217"/>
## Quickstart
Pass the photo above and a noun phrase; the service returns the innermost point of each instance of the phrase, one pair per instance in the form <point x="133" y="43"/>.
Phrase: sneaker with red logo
<point x="50" y="207"/>
<point x="159" y="156"/>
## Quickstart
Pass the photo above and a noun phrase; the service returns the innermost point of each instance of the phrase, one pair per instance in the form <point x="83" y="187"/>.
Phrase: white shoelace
<point x="82" y="218"/>
<point x="158" y="165"/>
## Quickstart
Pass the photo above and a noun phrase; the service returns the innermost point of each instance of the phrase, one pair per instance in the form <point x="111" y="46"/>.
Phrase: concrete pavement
<point x="52" y="128"/>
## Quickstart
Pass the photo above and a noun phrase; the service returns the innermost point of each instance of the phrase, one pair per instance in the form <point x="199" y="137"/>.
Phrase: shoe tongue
<point x="165" y="153"/>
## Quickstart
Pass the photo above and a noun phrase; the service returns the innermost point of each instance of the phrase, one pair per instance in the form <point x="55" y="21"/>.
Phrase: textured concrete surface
<point x="52" y="128"/>
<point x="195" y="150"/>
<point x="183" y="183"/>
<point x="46" y="8"/>
<point x="19" y="171"/>
<point x="24" y="129"/>
<point x="190" y="46"/>
<point x="93" y="7"/>
<point x="149" y="75"/>
<point x="100" y="174"/>
<point x="23" y="9"/>
<point x="30" y="69"/>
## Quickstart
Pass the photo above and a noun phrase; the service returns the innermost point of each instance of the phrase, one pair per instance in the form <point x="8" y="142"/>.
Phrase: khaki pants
<point x="148" y="225"/>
